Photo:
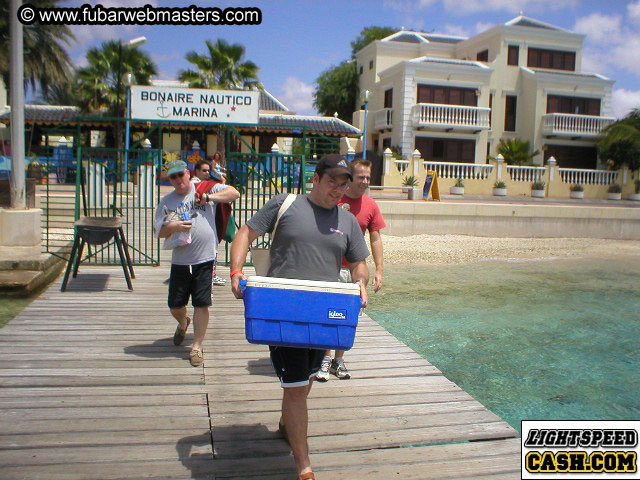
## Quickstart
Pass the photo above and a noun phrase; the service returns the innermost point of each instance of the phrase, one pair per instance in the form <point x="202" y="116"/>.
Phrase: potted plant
<point x="408" y="183"/>
<point x="576" y="191"/>
<point x="458" y="188"/>
<point x="499" y="188"/>
<point x="537" y="189"/>
<point x="614" y="192"/>
<point x="636" y="195"/>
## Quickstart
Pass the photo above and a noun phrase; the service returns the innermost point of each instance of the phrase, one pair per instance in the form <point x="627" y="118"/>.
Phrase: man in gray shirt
<point x="191" y="263"/>
<point x="312" y="238"/>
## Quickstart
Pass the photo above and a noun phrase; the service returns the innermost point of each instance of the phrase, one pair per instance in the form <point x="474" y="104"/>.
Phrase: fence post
<point x="386" y="166"/>
<point x="551" y="176"/>
<point x="499" y="166"/>
<point x="415" y="158"/>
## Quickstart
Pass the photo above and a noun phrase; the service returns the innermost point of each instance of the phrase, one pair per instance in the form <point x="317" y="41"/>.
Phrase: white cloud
<point x="454" y="30"/>
<point x="627" y="54"/>
<point x="634" y="11"/>
<point x="297" y="96"/>
<point x="604" y="29"/>
<point x="623" y="101"/>
<point x="483" y="26"/>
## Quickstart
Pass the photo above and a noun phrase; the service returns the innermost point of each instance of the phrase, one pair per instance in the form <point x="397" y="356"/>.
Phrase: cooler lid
<point x="306" y="285"/>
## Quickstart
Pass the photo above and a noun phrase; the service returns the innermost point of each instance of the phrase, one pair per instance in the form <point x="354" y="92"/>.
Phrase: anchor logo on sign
<point x="162" y="111"/>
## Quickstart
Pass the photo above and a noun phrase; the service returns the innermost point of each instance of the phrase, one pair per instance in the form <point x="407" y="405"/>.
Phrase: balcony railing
<point x="383" y="119"/>
<point x="518" y="173"/>
<point x="459" y="170"/>
<point x="570" y="125"/>
<point x="587" y="177"/>
<point x="458" y="117"/>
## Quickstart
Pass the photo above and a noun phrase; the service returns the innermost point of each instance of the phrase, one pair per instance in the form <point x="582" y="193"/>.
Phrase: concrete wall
<point x="497" y="220"/>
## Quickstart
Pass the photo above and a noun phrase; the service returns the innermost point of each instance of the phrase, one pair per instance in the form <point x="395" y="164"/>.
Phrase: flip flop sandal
<point x="178" y="337"/>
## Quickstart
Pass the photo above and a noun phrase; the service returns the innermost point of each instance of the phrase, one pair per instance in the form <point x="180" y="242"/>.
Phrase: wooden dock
<point x="92" y="387"/>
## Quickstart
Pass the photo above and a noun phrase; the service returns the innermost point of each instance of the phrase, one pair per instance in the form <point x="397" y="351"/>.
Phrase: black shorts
<point x="190" y="280"/>
<point x="295" y="366"/>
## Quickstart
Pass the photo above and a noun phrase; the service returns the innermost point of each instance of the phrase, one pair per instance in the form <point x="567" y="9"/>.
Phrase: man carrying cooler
<point x="312" y="238"/>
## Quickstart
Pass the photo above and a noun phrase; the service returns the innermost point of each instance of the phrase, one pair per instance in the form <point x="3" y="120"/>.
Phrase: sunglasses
<point x="173" y="176"/>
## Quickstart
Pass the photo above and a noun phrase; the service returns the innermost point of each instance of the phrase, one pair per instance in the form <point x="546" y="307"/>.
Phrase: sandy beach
<point x="451" y="249"/>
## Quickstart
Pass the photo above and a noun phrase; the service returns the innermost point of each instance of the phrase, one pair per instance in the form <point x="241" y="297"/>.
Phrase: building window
<point x="510" y="113"/>
<point x="386" y="143"/>
<point x="447" y="95"/>
<point x="575" y="105"/>
<point x="370" y="64"/>
<point x="514" y="54"/>
<point x="361" y="69"/>
<point x="446" y="150"/>
<point x="482" y="56"/>
<point x="551" y="59"/>
<point x="388" y="98"/>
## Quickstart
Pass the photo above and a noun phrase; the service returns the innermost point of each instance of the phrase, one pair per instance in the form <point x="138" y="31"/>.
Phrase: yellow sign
<point x="431" y="186"/>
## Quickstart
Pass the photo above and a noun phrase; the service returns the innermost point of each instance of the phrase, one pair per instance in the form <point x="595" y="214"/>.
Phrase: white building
<point x="454" y="98"/>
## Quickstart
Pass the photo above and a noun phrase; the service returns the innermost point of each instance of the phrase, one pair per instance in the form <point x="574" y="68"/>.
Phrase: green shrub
<point x="537" y="185"/>
<point x="637" y="186"/>
<point x="615" y="188"/>
<point x="459" y="183"/>
<point x="410" y="181"/>
<point x="576" y="188"/>
<point x="499" y="184"/>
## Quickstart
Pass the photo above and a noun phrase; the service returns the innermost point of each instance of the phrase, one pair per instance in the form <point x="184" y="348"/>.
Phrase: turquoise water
<point x="546" y="339"/>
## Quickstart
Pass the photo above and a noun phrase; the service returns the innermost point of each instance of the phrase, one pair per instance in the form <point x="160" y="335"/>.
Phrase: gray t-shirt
<point x="204" y="239"/>
<point x="310" y="241"/>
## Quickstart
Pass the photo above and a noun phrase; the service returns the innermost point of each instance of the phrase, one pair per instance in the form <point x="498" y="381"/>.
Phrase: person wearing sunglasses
<point x="191" y="264"/>
<point x="201" y="172"/>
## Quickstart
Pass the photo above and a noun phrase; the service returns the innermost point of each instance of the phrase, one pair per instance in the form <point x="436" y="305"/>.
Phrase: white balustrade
<point x="570" y="124"/>
<point x="525" y="174"/>
<point x="383" y="119"/>
<point x="580" y="176"/>
<point x="459" y="170"/>
<point x="460" y="116"/>
<point x="401" y="165"/>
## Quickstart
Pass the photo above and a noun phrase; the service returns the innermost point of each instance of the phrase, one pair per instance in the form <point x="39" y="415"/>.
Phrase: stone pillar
<point x="499" y="166"/>
<point x="387" y="156"/>
<point x="415" y="157"/>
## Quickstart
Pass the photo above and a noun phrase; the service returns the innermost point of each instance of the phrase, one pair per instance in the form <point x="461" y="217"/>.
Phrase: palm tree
<point x="619" y="143"/>
<point x="516" y="151"/>
<point x="98" y="83"/>
<point x="46" y="62"/>
<point x="221" y="68"/>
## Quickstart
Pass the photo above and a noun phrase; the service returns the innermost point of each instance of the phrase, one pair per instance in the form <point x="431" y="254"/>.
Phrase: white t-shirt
<point x="204" y="238"/>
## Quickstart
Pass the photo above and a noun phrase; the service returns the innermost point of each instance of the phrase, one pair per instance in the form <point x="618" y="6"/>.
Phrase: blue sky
<point x="298" y="39"/>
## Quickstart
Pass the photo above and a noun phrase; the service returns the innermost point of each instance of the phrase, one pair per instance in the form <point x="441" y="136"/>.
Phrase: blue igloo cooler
<point x="301" y="313"/>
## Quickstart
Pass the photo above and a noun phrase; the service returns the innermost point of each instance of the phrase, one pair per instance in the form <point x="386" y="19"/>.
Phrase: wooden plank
<point x="135" y="408"/>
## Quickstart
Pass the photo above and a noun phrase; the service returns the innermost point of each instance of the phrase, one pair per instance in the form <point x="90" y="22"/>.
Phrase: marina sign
<point x="194" y="105"/>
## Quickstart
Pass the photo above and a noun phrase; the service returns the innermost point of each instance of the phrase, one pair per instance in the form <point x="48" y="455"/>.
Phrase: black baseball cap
<point x="334" y="164"/>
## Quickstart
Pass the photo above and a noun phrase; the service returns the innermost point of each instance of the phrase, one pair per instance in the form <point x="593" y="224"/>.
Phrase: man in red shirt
<point x="370" y="218"/>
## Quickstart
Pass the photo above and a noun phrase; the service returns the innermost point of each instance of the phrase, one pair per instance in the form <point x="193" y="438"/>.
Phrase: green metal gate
<point x="121" y="183"/>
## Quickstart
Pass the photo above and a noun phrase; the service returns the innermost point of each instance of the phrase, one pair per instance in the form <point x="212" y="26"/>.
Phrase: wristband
<point x="235" y="272"/>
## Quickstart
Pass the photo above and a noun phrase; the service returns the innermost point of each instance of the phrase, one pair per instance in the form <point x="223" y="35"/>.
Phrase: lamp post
<point x="134" y="42"/>
<point x="128" y="79"/>
<point x="365" y="98"/>
<point x="17" y="184"/>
